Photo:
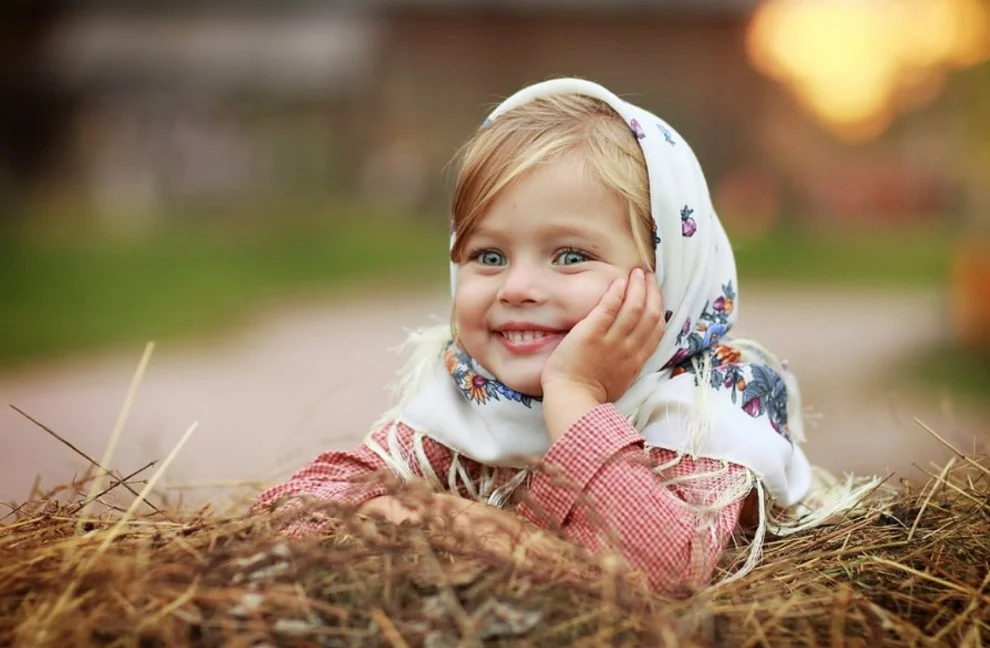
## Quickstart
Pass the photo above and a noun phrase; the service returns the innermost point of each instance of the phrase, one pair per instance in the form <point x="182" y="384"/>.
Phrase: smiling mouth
<point x="529" y="342"/>
<point x="525" y="336"/>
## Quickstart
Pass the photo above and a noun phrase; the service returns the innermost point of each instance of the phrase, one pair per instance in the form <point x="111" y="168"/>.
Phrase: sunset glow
<point x="855" y="64"/>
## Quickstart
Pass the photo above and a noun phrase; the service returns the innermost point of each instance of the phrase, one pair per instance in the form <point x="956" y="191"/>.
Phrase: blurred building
<point x="442" y="63"/>
<point x="210" y="102"/>
<point x="220" y="100"/>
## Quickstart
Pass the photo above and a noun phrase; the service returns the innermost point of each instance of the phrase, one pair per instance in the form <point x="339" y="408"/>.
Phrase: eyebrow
<point x="575" y="232"/>
<point x="587" y="237"/>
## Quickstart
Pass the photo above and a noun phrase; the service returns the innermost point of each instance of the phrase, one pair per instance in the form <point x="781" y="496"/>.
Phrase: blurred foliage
<point x="947" y="370"/>
<point x="887" y="258"/>
<point x="65" y="292"/>
<point x="65" y="289"/>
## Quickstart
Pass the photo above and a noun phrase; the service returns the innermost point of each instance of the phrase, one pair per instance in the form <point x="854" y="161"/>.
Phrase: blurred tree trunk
<point x="34" y="111"/>
<point x="971" y="263"/>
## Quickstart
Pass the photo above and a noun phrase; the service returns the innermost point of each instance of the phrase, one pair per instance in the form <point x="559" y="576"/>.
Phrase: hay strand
<point x="972" y="462"/>
<point x="145" y="491"/>
<point x="118" y="427"/>
<point x="92" y="462"/>
<point x="915" y="574"/>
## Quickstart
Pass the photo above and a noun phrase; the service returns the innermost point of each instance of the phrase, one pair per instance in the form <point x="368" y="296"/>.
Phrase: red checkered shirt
<point x="598" y="473"/>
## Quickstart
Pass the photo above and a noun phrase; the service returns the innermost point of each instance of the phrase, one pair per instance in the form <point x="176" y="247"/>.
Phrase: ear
<point x="454" y="334"/>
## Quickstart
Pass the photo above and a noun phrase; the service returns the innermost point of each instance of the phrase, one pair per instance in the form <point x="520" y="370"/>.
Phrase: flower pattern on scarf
<point x="725" y="354"/>
<point x="698" y="278"/>
<point x="667" y="135"/>
<point x="756" y="388"/>
<point x="764" y="393"/>
<point x="711" y="326"/>
<point x="476" y="387"/>
<point x="688" y="224"/>
<point x="637" y="129"/>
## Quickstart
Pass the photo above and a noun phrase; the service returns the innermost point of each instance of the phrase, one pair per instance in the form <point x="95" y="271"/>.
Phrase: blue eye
<point x="489" y="257"/>
<point x="571" y="257"/>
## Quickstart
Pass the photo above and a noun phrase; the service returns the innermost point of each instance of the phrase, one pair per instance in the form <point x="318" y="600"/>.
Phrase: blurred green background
<point x="263" y="189"/>
<point x="71" y="290"/>
<point x="165" y="171"/>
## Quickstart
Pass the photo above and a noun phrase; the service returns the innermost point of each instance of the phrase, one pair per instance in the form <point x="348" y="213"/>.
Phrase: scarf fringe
<point x="830" y="500"/>
<point x="700" y="421"/>
<point x="756" y="544"/>
<point x="392" y="457"/>
<point x="457" y="475"/>
<point x="427" y="345"/>
<point x="829" y="497"/>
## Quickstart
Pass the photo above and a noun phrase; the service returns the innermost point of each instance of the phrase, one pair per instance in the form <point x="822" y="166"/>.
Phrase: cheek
<point x="470" y="304"/>
<point x="589" y="291"/>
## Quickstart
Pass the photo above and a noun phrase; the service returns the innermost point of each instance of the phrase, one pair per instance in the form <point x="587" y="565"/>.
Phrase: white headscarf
<point x="744" y="409"/>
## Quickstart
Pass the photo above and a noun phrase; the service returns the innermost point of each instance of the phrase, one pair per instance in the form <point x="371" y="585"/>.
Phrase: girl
<point x="593" y="288"/>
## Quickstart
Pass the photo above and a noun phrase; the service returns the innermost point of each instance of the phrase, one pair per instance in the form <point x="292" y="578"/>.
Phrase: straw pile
<point x="916" y="574"/>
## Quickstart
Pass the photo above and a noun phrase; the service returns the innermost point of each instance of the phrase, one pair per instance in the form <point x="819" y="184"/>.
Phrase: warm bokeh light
<point x="856" y="63"/>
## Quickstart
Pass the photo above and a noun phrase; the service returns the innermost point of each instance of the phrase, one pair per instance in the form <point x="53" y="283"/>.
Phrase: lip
<point x="525" y="347"/>
<point x="527" y="326"/>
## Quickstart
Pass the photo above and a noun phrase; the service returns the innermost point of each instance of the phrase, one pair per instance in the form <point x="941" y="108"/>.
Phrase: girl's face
<point x="539" y="260"/>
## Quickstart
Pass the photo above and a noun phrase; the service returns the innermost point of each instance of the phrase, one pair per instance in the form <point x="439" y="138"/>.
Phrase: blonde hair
<point x="540" y="132"/>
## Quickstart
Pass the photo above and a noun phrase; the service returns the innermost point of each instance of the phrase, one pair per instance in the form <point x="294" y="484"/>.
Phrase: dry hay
<point x="914" y="575"/>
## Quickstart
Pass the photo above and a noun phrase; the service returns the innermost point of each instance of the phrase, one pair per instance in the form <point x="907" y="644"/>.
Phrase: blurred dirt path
<point x="303" y="379"/>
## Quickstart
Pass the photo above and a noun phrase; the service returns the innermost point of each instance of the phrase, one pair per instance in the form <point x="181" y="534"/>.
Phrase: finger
<point x="654" y="303"/>
<point x="659" y="325"/>
<point x="652" y="324"/>
<point x="643" y="340"/>
<point x="604" y="313"/>
<point x="633" y="306"/>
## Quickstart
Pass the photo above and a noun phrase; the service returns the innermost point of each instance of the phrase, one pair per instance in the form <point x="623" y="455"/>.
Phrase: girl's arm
<point x="345" y="477"/>
<point x="601" y="490"/>
<point x="338" y="477"/>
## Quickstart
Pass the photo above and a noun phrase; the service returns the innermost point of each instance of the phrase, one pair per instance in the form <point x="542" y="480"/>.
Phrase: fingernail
<point x="638" y="272"/>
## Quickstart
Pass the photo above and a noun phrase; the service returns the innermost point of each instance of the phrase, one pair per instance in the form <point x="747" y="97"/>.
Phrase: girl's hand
<point x="465" y="521"/>
<point x="604" y="353"/>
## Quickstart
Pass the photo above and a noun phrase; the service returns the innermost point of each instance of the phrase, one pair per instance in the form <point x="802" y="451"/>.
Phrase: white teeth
<point x="523" y="336"/>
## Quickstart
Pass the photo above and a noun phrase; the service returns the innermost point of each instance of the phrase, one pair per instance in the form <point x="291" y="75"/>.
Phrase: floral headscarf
<point x="693" y="395"/>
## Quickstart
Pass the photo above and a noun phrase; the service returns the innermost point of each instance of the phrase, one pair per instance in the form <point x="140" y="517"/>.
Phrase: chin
<point x="526" y="386"/>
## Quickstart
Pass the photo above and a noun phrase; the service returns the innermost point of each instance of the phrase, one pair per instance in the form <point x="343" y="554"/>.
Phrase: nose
<point x="521" y="285"/>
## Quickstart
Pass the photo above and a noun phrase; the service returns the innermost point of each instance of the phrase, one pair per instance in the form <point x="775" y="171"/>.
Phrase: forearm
<point x="600" y="488"/>
<point x="331" y="478"/>
<point x="462" y="520"/>
<point x="644" y="520"/>
<point x="349" y="478"/>
<point x="564" y="404"/>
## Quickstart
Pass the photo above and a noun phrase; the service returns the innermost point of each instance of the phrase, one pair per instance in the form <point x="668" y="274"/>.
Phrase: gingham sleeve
<point x="602" y="491"/>
<point x="341" y="477"/>
<point x="330" y="478"/>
